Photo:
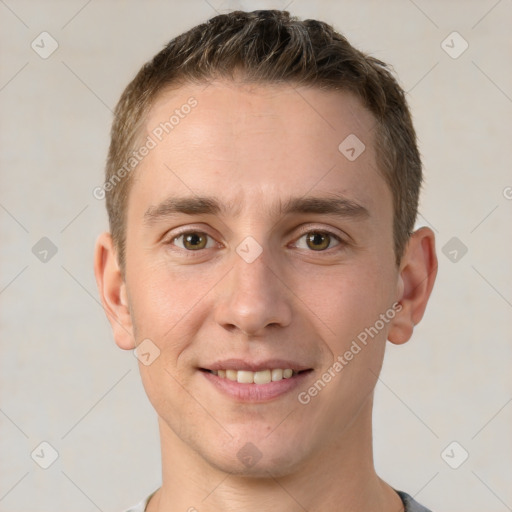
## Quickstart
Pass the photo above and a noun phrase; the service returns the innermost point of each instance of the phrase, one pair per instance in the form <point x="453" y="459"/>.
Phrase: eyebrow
<point x="336" y="205"/>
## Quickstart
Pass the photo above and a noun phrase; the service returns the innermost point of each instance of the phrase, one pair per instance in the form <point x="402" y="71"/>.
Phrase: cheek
<point x="169" y="307"/>
<point x="165" y="310"/>
<point x="161" y="297"/>
<point x="355" y="317"/>
<point x="350" y="300"/>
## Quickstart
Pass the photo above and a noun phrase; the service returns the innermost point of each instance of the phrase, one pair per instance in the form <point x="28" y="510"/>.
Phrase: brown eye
<point x="318" y="241"/>
<point x="193" y="240"/>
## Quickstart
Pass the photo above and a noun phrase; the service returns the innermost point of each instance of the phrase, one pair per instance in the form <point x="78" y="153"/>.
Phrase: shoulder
<point x="141" y="506"/>
<point x="410" y="505"/>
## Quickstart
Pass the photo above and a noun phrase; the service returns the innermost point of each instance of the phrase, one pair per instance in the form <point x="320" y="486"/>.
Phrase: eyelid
<point x="340" y="235"/>
<point x="183" y="230"/>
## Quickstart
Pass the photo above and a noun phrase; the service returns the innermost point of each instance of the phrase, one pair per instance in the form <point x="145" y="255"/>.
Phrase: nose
<point x="254" y="298"/>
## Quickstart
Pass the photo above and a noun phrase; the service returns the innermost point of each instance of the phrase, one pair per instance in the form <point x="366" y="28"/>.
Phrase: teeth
<point x="277" y="374"/>
<point x="261" y="377"/>
<point x="231" y="374"/>
<point x="245" y="377"/>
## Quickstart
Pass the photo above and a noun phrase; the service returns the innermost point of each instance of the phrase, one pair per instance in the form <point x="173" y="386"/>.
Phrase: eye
<point x="193" y="241"/>
<point x="319" y="241"/>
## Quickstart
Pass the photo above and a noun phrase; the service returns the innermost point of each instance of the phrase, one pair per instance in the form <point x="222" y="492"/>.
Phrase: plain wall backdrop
<point x="63" y="380"/>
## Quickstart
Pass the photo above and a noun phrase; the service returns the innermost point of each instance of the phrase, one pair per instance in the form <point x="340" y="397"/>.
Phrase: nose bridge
<point x="253" y="297"/>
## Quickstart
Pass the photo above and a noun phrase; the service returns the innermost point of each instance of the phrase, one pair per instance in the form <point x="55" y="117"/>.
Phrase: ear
<point x="418" y="270"/>
<point x="112" y="289"/>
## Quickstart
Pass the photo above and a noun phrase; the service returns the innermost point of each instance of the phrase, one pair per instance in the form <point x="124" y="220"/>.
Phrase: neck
<point x="341" y="477"/>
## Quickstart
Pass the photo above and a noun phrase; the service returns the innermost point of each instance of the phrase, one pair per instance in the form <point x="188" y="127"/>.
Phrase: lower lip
<point x="256" y="392"/>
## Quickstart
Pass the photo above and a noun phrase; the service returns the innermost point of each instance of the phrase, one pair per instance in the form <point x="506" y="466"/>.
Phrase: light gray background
<point x="62" y="378"/>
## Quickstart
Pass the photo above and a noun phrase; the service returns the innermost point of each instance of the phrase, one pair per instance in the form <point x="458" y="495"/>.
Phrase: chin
<point x="257" y="459"/>
<point x="263" y="468"/>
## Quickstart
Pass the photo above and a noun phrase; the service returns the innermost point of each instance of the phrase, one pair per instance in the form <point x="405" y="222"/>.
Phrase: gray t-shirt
<point x="409" y="504"/>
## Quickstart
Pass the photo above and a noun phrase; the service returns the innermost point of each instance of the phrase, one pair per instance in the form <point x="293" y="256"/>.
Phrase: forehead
<point x="262" y="141"/>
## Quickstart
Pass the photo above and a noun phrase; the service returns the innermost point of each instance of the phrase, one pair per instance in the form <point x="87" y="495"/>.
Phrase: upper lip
<point x="255" y="366"/>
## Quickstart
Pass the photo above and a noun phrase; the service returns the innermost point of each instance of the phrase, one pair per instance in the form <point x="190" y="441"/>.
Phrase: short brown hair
<point x="272" y="47"/>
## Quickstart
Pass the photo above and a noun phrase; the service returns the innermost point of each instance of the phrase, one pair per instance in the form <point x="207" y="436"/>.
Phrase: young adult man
<point x="262" y="187"/>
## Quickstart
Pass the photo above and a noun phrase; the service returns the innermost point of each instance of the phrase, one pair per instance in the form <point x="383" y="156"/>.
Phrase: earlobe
<point x="418" y="271"/>
<point x="112" y="290"/>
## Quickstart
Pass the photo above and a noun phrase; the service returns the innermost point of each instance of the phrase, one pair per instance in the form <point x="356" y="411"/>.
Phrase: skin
<point x="252" y="147"/>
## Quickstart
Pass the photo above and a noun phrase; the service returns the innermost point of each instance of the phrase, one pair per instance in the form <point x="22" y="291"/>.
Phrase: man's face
<point x="255" y="286"/>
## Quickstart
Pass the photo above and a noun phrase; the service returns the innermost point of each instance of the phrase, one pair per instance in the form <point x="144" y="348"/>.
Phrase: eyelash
<point x="309" y="230"/>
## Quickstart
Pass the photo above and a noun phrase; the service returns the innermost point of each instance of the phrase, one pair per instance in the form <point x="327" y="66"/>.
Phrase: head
<point x="248" y="235"/>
